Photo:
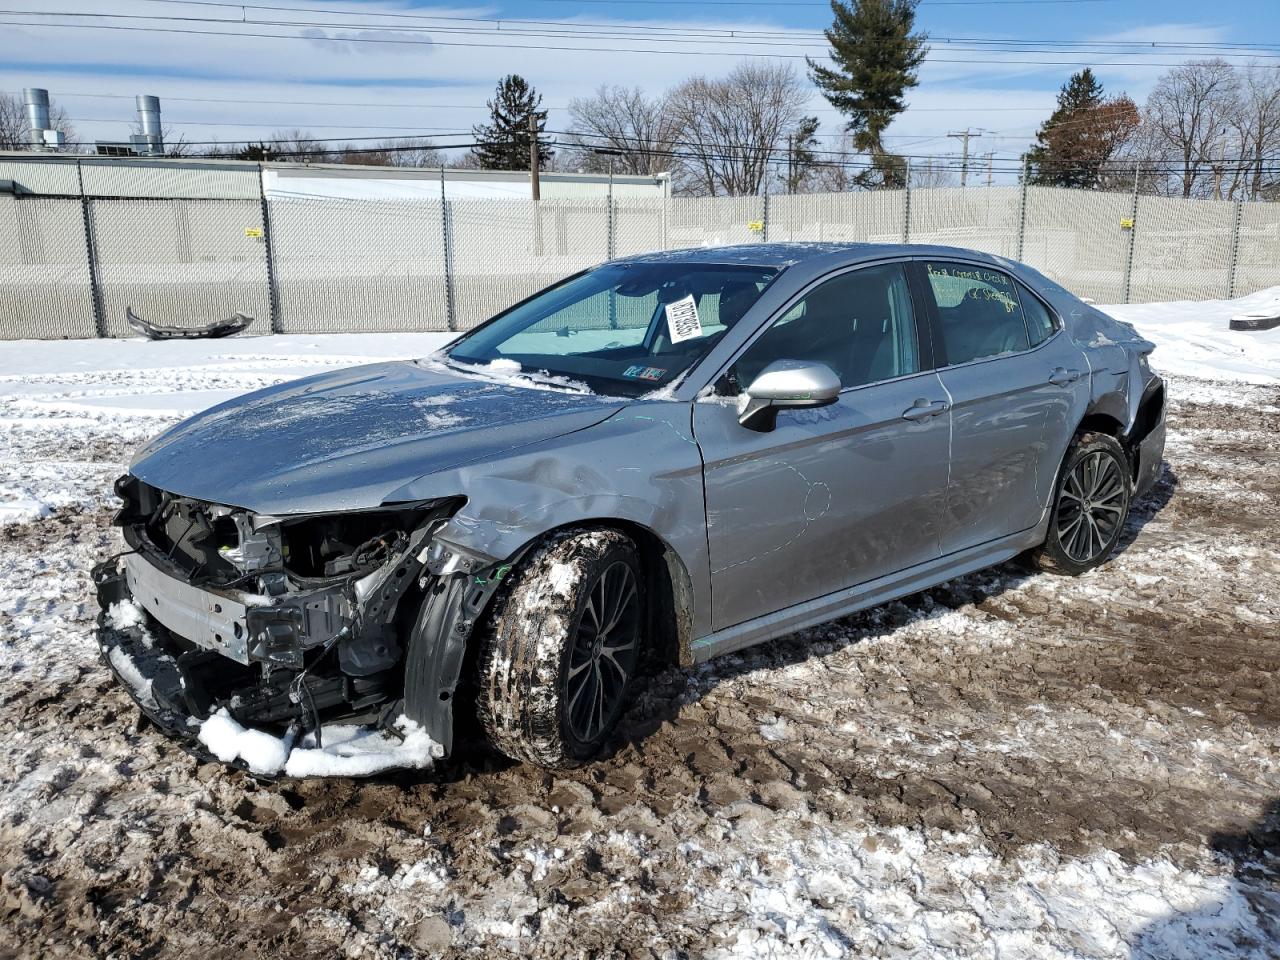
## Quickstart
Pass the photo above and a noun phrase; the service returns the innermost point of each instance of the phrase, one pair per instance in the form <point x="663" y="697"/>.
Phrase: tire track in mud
<point x="1134" y="710"/>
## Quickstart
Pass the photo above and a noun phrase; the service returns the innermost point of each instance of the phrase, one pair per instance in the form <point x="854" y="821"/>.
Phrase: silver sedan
<point x="667" y="457"/>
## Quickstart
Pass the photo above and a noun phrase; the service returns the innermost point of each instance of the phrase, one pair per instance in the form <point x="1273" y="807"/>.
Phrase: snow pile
<point x="346" y="750"/>
<point x="505" y="372"/>
<point x="1193" y="338"/>
<point x="806" y="891"/>
<point x="19" y="509"/>
<point x="130" y="674"/>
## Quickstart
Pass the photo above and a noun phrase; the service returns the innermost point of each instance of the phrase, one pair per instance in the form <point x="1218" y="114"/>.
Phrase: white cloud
<point x="445" y="82"/>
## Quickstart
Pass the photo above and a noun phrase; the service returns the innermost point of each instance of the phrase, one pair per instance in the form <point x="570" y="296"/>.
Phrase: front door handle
<point x="1062" y="376"/>
<point x="922" y="409"/>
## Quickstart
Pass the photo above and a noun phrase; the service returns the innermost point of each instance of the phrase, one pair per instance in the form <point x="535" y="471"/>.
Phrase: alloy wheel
<point x="604" y="652"/>
<point x="1091" y="507"/>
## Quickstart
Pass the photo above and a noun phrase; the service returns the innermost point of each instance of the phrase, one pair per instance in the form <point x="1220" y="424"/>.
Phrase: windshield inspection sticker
<point x="682" y="320"/>
<point x="645" y="373"/>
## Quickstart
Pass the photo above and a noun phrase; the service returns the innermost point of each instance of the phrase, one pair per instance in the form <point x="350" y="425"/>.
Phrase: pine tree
<point x="1084" y="132"/>
<point x="876" y="57"/>
<point x="801" y="158"/>
<point x="503" y="143"/>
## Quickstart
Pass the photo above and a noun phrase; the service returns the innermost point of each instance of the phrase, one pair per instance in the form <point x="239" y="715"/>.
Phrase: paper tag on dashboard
<point x="682" y="320"/>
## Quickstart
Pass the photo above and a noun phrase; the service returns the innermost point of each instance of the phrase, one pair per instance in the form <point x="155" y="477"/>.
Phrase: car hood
<point x="350" y="439"/>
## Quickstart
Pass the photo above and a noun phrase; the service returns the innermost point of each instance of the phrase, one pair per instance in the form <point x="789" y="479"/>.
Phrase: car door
<point x="1017" y="385"/>
<point x="834" y="496"/>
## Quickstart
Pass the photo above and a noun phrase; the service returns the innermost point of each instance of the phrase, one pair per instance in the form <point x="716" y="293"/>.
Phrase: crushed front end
<point x="292" y="627"/>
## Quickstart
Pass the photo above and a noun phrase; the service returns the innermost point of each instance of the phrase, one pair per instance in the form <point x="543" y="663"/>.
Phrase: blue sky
<point x="435" y="78"/>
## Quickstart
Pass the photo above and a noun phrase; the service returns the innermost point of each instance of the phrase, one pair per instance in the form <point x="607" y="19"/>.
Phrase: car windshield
<point x="623" y="328"/>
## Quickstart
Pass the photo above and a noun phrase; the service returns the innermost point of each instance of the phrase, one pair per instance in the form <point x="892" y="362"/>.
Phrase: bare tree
<point x="635" y="130"/>
<point x="467" y="160"/>
<point x="1188" y="115"/>
<point x="390" y="153"/>
<point x="933" y="172"/>
<point x="416" y="153"/>
<point x="1257" y="127"/>
<point x="728" y="129"/>
<point x="14" y="132"/>
<point x="297" y="145"/>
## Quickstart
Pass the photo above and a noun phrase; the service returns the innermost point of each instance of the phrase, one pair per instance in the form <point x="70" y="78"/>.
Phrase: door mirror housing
<point x="786" y="384"/>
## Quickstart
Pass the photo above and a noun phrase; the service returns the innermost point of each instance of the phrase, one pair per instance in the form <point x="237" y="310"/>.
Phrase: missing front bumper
<point x="181" y="686"/>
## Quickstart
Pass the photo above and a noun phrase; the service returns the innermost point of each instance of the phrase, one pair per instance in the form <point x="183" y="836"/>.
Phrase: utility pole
<point x="533" y="156"/>
<point x="964" y="136"/>
<point x="790" y="164"/>
<point x="1220" y="169"/>
<point x="990" y="155"/>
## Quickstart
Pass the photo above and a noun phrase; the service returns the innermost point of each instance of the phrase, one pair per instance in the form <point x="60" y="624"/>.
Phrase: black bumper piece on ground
<point x="1255" y="322"/>
<point x="209" y="331"/>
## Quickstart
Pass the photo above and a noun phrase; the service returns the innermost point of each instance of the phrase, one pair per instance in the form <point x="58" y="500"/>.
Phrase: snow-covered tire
<point x="1090" y="506"/>
<point x="532" y="673"/>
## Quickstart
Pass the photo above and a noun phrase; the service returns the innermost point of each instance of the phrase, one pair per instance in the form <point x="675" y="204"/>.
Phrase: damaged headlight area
<point x="281" y="624"/>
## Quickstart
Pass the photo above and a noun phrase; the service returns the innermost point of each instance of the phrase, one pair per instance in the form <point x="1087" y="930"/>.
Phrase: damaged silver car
<point x="663" y="458"/>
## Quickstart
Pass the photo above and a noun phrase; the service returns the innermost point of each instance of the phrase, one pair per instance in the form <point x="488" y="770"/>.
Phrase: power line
<point x="635" y="34"/>
<point x="673" y="3"/>
<point x="431" y="42"/>
<point x="686" y="29"/>
<point x="672" y="148"/>
<point x="239" y="101"/>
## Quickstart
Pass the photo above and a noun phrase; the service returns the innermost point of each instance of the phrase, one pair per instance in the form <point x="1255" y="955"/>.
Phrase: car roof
<point x="783" y="255"/>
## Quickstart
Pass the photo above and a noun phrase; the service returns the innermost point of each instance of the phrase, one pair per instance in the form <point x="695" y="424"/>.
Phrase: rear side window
<point x="979" y="311"/>
<point x="1040" y="324"/>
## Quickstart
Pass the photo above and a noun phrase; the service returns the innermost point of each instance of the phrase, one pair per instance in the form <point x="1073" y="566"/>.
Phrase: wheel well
<point x="1101" y="423"/>
<point x="1149" y="412"/>
<point x="1105" y="423"/>
<point x="667" y="585"/>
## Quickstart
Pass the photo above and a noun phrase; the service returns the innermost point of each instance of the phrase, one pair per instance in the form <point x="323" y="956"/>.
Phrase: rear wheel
<point x="1090" y="506"/>
<point x="561" y="648"/>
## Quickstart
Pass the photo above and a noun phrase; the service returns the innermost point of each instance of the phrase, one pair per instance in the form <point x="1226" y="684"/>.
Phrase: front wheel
<point x="561" y="648"/>
<point x="1090" y="506"/>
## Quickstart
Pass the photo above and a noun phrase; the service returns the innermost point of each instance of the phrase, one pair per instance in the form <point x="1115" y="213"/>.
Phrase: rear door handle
<point x="1061" y="376"/>
<point x="922" y="409"/>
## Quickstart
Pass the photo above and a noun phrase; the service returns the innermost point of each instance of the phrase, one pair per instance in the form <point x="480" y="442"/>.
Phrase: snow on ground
<point x="343" y="750"/>
<point x="1009" y="765"/>
<point x="1193" y="339"/>
<point x="66" y="397"/>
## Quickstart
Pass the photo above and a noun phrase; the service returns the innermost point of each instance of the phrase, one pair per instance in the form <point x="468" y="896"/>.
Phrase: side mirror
<point x="786" y="384"/>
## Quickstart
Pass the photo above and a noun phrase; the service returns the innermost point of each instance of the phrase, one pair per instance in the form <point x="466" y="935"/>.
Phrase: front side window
<point x="860" y="324"/>
<point x="978" y="311"/>
<point x="624" y="328"/>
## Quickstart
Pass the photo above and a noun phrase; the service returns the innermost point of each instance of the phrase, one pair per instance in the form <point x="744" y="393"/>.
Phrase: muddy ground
<point x="1011" y="764"/>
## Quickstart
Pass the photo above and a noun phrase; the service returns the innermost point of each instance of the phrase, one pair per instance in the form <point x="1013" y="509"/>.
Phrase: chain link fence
<point x="343" y="265"/>
<point x="187" y="242"/>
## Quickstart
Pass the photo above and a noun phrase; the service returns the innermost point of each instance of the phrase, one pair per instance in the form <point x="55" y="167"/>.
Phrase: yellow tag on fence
<point x="255" y="232"/>
<point x="1126" y="223"/>
<point x="756" y="226"/>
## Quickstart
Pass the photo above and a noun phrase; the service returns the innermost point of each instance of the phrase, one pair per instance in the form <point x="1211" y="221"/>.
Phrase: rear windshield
<point x="624" y="329"/>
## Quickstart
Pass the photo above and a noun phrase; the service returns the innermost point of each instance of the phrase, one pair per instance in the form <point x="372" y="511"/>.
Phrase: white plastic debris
<point x="346" y="750"/>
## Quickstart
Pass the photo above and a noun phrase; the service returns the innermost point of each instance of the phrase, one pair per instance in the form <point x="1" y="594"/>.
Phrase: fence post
<point x="906" y="206"/>
<point x="764" y="214"/>
<point x="1235" y="249"/>
<point x="1133" y="232"/>
<point x="1022" y="213"/>
<point x="91" y="248"/>
<point x="666" y="212"/>
<point x="446" y="233"/>
<point x="610" y="243"/>
<point x="273" y="298"/>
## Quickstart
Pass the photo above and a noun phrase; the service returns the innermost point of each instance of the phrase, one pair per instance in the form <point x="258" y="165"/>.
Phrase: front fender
<point x="640" y="468"/>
